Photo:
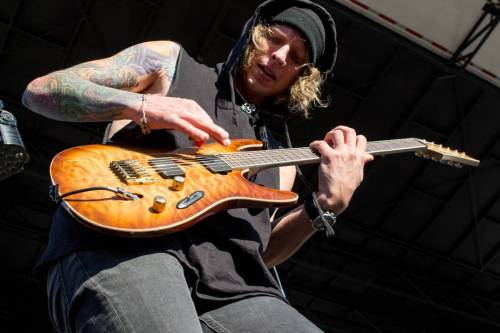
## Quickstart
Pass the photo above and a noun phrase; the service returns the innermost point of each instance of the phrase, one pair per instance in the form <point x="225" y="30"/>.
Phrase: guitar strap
<point x="310" y="191"/>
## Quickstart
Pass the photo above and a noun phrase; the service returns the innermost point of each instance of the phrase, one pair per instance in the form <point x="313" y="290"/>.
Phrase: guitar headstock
<point x="445" y="155"/>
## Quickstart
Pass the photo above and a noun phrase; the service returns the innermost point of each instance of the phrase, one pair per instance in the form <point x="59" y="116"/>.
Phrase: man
<point x="213" y="276"/>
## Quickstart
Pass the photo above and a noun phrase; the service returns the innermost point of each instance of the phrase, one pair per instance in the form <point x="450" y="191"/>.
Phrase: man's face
<point x="276" y="64"/>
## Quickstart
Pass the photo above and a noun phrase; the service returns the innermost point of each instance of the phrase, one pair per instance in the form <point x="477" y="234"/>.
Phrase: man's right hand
<point x="181" y="114"/>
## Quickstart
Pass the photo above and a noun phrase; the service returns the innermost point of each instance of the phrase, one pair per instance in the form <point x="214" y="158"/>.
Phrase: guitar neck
<point x="304" y="155"/>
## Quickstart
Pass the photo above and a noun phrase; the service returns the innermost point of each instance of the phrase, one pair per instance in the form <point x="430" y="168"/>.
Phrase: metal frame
<point x="481" y="30"/>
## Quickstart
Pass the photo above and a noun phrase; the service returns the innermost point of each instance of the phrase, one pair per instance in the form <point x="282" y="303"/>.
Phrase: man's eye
<point x="296" y="59"/>
<point x="272" y="39"/>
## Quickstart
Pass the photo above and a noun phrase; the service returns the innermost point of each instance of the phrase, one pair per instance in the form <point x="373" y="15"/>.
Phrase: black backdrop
<point x="418" y="249"/>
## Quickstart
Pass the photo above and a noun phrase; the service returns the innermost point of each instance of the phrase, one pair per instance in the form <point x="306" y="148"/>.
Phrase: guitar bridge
<point x="131" y="172"/>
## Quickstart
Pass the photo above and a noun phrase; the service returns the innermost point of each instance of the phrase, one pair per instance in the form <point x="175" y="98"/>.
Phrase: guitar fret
<point x="394" y="146"/>
<point x="271" y="157"/>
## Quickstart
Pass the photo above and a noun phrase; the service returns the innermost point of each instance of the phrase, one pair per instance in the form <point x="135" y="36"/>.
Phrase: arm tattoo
<point x="74" y="99"/>
<point x="144" y="60"/>
<point x="98" y="92"/>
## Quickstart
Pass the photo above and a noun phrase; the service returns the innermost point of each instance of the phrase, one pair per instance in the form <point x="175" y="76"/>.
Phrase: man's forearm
<point x="288" y="236"/>
<point x="102" y="90"/>
<point x="68" y="97"/>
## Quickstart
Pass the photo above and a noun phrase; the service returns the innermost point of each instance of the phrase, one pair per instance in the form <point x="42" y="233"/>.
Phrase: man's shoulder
<point x="164" y="47"/>
<point x="172" y="49"/>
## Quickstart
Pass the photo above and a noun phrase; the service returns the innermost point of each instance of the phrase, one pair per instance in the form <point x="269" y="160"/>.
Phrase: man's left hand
<point x="343" y="157"/>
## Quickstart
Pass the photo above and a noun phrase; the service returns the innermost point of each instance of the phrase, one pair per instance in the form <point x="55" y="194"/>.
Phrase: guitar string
<point x="381" y="144"/>
<point x="239" y="158"/>
<point x="236" y="160"/>
<point x="234" y="163"/>
<point x="167" y="166"/>
<point x="222" y="162"/>
<point x="213" y="162"/>
<point x="236" y="154"/>
<point x="137" y="168"/>
<point x="223" y="159"/>
<point x="271" y="154"/>
<point x="218" y="159"/>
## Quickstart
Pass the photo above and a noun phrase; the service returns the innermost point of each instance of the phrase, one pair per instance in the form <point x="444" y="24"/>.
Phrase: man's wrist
<point x="132" y="107"/>
<point x="320" y="219"/>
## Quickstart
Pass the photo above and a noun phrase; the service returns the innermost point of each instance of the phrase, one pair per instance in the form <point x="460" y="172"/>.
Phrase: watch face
<point x="329" y="217"/>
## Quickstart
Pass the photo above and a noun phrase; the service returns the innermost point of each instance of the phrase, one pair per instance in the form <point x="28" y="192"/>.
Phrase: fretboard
<point x="292" y="156"/>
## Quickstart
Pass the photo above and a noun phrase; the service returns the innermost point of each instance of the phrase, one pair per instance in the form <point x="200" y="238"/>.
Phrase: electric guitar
<point x="135" y="191"/>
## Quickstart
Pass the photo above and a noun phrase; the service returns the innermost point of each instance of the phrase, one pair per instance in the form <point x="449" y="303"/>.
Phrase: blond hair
<point x="305" y="92"/>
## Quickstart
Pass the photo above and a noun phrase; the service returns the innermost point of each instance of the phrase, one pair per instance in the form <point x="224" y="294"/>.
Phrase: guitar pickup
<point x="214" y="163"/>
<point x="166" y="168"/>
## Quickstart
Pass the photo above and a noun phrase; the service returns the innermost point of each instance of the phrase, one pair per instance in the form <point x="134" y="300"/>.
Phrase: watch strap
<point x="321" y="220"/>
<point x="310" y="207"/>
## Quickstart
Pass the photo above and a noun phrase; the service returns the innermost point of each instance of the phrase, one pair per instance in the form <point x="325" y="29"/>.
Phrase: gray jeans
<point x="112" y="291"/>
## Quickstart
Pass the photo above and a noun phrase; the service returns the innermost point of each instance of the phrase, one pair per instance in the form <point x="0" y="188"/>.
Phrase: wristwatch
<point x="317" y="215"/>
<point x="328" y="216"/>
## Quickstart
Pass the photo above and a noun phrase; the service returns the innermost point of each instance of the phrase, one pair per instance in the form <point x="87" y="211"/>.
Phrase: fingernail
<point x="226" y="142"/>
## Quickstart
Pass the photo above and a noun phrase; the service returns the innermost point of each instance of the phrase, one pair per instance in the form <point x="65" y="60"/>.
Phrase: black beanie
<point x="307" y="22"/>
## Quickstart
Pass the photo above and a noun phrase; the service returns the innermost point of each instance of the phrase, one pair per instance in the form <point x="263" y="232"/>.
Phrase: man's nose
<point x="280" y="54"/>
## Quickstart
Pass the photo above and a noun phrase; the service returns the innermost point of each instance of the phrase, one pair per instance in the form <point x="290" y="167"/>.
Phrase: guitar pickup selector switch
<point x="190" y="199"/>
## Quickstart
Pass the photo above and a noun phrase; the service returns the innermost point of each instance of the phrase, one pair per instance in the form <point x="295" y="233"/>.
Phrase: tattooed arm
<point x="109" y="89"/>
<point x="101" y="90"/>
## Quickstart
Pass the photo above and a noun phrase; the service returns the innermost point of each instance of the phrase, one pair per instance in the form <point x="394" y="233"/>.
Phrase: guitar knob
<point x="178" y="183"/>
<point x="159" y="203"/>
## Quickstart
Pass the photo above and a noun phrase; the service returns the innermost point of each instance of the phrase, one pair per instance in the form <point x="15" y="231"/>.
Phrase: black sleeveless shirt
<point x="221" y="254"/>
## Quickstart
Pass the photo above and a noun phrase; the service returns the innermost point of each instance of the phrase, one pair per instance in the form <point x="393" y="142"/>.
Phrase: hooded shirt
<point x="221" y="255"/>
<point x="264" y="14"/>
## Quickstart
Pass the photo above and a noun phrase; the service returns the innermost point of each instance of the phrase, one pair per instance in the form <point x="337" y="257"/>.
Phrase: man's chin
<point x="259" y="86"/>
